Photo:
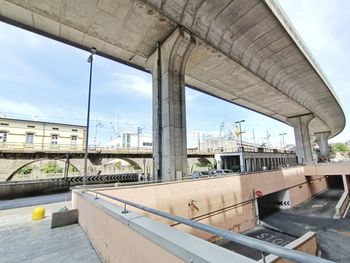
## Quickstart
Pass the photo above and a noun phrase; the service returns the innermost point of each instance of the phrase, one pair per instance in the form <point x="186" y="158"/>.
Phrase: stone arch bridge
<point x="98" y="162"/>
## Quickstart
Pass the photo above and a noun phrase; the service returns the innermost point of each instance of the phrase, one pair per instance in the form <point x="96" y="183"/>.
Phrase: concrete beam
<point x="167" y="65"/>
<point x="302" y="137"/>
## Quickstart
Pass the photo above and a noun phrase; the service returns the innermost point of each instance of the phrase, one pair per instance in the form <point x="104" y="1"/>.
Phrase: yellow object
<point x="38" y="213"/>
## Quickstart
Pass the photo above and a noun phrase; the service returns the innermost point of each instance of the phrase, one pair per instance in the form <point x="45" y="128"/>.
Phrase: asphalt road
<point x="261" y="233"/>
<point x="333" y="235"/>
<point x="35" y="200"/>
<point x="321" y="205"/>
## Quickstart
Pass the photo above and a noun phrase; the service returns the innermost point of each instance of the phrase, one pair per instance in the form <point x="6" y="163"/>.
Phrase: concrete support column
<point x="302" y="137"/>
<point x="248" y="165"/>
<point x="346" y="182"/>
<point x="225" y="163"/>
<point x="167" y="65"/>
<point x="322" y="141"/>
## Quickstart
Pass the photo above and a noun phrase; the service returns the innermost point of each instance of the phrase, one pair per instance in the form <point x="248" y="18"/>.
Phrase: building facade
<point x="16" y="134"/>
<point x="130" y="140"/>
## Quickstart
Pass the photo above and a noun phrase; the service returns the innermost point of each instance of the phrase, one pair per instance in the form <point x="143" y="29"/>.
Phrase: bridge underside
<point x="244" y="52"/>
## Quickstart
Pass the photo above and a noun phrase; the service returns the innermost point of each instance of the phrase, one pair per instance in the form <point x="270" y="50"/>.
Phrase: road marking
<point x="320" y="205"/>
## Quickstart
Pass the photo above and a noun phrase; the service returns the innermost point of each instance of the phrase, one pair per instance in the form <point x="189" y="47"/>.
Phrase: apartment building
<point x="22" y="134"/>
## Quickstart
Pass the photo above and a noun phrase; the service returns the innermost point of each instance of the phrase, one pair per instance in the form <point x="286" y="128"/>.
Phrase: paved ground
<point x="347" y="215"/>
<point x="262" y="233"/>
<point x="35" y="200"/>
<point x="333" y="235"/>
<point x="321" y="205"/>
<point x="24" y="240"/>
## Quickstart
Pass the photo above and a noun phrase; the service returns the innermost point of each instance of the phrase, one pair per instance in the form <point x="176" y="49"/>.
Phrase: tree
<point x="51" y="167"/>
<point x="339" y="147"/>
<point x="26" y="170"/>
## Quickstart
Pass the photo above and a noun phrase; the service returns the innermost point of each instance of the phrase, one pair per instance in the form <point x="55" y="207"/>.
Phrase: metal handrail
<point x="263" y="246"/>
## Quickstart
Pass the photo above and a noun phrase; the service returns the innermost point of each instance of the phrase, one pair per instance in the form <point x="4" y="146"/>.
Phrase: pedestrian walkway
<point x="23" y="240"/>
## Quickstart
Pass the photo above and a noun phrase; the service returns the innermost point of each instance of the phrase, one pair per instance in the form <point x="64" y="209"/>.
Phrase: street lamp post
<point x="242" y="149"/>
<point x="93" y="51"/>
<point x="284" y="145"/>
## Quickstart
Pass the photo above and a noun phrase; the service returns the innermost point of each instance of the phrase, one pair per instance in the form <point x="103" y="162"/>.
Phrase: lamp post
<point x="283" y="145"/>
<point x="90" y="59"/>
<point x="242" y="148"/>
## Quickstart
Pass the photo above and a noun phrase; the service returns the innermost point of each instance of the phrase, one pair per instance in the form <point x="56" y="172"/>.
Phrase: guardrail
<point x="90" y="179"/>
<point x="263" y="246"/>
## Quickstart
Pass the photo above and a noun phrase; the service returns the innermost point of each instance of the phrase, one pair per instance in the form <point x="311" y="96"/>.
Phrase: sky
<point x="45" y="80"/>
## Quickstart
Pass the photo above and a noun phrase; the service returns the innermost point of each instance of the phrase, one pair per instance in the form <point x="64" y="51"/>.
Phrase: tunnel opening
<point x="231" y="162"/>
<point x="335" y="182"/>
<point x="272" y="203"/>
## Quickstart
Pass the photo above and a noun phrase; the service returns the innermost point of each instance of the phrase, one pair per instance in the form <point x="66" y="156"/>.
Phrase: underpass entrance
<point x="335" y="182"/>
<point x="272" y="203"/>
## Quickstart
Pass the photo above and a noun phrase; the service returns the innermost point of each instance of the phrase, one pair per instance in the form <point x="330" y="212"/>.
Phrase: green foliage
<point x="118" y="165"/>
<point x="197" y="164"/>
<point x="51" y="167"/>
<point x="339" y="147"/>
<point x="210" y="166"/>
<point x="72" y="169"/>
<point x="26" y="170"/>
<point x="236" y="168"/>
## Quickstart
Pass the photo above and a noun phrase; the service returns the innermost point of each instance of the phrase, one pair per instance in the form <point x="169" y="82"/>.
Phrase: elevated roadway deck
<point x="246" y="52"/>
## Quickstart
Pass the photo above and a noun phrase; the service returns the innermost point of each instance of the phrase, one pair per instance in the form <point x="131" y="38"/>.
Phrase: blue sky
<point x="44" y="78"/>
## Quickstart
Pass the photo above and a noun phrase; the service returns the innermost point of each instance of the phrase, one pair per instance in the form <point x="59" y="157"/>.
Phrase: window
<point x="29" y="137"/>
<point x="75" y="130"/>
<point x="4" y="124"/>
<point x="30" y="126"/>
<point x="147" y="144"/>
<point x="3" y="136"/>
<point x="54" y="139"/>
<point x="56" y="129"/>
<point x="74" y="139"/>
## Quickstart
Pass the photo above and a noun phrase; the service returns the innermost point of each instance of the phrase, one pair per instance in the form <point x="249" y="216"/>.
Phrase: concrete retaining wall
<point x="14" y="190"/>
<point x="129" y="237"/>
<point x="225" y="202"/>
<point x="342" y="205"/>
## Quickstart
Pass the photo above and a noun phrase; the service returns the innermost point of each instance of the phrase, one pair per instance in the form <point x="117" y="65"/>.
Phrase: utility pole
<point x="284" y="146"/>
<point x="221" y="128"/>
<point x="268" y="139"/>
<point x="139" y="131"/>
<point x="98" y="124"/>
<point x="66" y="167"/>
<point x="93" y="51"/>
<point x="242" y="148"/>
<point x="199" y="141"/>
<point x="254" y="140"/>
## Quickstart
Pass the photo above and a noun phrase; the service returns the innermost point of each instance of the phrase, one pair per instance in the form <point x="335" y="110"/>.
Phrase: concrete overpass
<point x="244" y="52"/>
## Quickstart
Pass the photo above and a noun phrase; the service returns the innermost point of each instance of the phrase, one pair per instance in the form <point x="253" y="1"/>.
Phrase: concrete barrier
<point x="20" y="189"/>
<point x="64" y="218"/>
<point x="342" y="204"/>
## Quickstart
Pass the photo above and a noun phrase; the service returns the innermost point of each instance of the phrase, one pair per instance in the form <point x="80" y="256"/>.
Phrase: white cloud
<point x="42" y="112"/>
<point x="133" y="84"/>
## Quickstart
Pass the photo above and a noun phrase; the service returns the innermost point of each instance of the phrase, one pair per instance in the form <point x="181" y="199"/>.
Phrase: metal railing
<point x="263" y="246"/>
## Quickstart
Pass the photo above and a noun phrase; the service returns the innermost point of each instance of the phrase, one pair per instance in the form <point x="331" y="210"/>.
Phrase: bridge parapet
<point x="6" y="147"/>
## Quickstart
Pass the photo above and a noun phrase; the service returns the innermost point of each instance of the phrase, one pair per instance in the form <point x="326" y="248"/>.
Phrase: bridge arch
<point x="133" y="163"/>
<point x="199" y="162"/>
<point x="10" y="177"/>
